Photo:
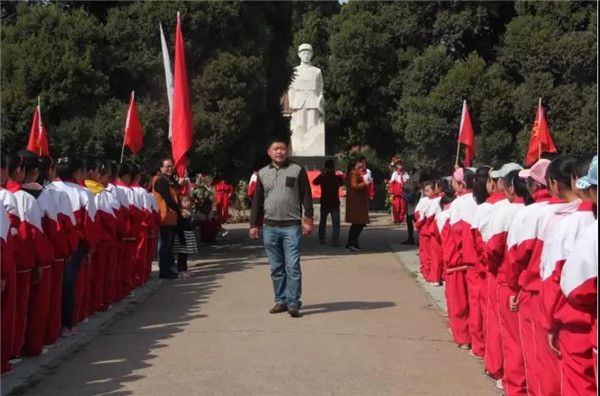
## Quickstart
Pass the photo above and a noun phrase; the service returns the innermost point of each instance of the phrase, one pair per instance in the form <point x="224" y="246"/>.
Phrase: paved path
<point x="367" y="329"/>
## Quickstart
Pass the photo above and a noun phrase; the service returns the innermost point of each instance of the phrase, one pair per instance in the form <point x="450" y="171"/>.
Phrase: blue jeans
<point x="282" y="245"/>
<point x="70" y="271"/>
<point x="335" y="222"/>
<point x="165" y="251"/>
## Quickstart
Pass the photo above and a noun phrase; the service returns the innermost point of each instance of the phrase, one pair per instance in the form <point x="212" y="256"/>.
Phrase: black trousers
<point x="70" y="271"/>
<point x="182" y="259"/>
<point x="410" y="226"/>
<point x="354" y="233"/>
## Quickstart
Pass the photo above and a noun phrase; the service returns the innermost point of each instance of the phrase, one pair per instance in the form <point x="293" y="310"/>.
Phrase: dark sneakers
<point x="278" y="308"/>
<point x="294" y="311"/>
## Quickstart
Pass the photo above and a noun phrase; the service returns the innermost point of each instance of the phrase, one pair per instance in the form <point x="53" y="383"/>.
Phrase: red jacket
<point x="462" y="219"/>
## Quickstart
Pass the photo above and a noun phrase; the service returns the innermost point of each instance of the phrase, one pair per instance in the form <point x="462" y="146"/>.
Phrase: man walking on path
<point x="330" y="201"/>
<point x="282" y="191"/>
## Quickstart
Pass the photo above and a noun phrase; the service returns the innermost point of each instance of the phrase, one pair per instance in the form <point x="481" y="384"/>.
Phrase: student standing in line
<point x="461" y="258"/>
<point x="513" y="381"/>
<point x="579" y="284"/>
<point x="523" y="237"/>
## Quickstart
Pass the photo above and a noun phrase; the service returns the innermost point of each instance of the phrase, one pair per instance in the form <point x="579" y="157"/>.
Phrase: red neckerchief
<point x="496" y="197"/>
<point x="519" y="200"/>
<point x="135" y="185"/>
<point x="465" y="192"/>
<point x="447" y="206"/>
<point x="586" y="206"/>
<point x="13" y="186"/>
<point x="70" y="180"/>
<point x="541" y="196"/>
<point x="120" y="183"/>
<point x="82" y="184"/>
<point x="556" y="200"/>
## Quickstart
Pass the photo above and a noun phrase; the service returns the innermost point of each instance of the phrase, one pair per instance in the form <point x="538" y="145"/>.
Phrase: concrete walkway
<point x="368" y="328"/>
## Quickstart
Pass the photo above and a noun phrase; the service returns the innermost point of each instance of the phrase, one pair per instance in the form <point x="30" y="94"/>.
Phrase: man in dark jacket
<point x="164" y="187"/>
<point x="330" y="184"/>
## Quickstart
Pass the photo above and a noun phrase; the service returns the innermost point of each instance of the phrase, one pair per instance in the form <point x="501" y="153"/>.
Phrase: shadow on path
<point x="344" y="306"/>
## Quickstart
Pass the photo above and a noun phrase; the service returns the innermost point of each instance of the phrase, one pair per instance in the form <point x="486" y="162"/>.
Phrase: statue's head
<point x="305" y="53"/>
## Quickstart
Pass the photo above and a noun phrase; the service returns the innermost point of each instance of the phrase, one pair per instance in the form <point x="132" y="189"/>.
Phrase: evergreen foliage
<point x="395" y="76"/>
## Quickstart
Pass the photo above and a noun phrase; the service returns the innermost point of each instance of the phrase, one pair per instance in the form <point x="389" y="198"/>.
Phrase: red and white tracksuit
<point x="32" y="251"/>
<point x="40" y="293"/>
<point x="222" y="192"/>
<point x="85" y="281"/>
<point x="84" y="209"/>
<point x="461" y="262"/>
<point x="66" y="219"/>
<point x="573" y="326"/>
<point x="524" y="277"/>
<point x="143" y="232"/>
<point x="134" y="224"/>
<point x="397" y="181"/>
<point x="442" y="221"/>
<point x="252" y="185"/>
<point x="579" y="283"/>
<point x="419" y="216"/>
<point x="114" y="290"/>
<point x="513" y="380"/>
<point x="102" y="266"/>
<point x="430" y="233"/>
<point x="493" y="360"/>
<point x="8" y="274"/>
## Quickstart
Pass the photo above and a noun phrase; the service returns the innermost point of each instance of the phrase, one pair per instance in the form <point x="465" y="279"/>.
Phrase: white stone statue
<point x="307" y="104"/>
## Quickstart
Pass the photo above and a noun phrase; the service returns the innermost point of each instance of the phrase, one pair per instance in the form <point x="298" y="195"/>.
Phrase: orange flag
<point x="466" y="135"/>
<point x="38" y="137"/>
<point x="541" y="141"/>
<point x="133" y="127"/>
<point x="182" y="135"/>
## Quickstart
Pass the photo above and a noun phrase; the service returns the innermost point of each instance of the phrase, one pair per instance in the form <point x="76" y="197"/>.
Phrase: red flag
<point x="182" y="111"/>
<point x="466" y="135"/>
<point x="541" y="141"/>
<point x="38" y="137"/>
<point x="133" y="127"/>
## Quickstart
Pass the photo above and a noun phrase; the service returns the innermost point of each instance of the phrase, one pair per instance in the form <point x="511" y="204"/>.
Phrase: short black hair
<point x="480" y="184"/>
<point x="329" y="164"/>
<point x="30" y="160"/>
<point x="46" y="164"/>
<point x="512" y="179"/>
<point x="360" y="158"/>
<point x="123" y="169"/>
<point x="67" y="166"/>
<point x="469" y="178"/>
<point x="277" y="139"/>
<point x="581" y="166"/>
<point x="560" y="169"/>
<point x="134" y="169"/>
<point x="144" y="179"/>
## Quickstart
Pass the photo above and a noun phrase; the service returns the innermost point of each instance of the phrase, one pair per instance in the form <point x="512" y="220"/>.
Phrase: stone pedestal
<point x="310" y="143"/>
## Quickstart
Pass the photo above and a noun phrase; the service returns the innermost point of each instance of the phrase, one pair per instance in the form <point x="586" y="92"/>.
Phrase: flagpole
<point x="539" y="140"/>
<point x="40" y="118"/>
<point x="457" y="153"/>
